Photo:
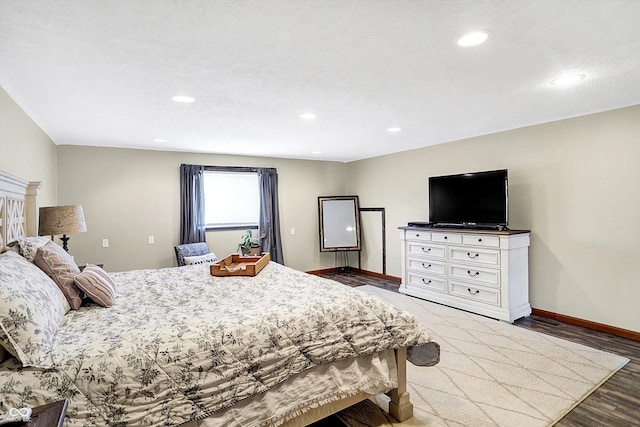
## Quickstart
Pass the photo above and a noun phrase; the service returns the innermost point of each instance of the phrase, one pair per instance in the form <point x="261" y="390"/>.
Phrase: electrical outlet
<point x="152" y="240"/>
<point x="105" y="243"/>
<point x="293" y="231"/>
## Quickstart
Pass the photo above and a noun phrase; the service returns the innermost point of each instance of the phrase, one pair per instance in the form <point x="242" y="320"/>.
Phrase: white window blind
<point x="232" y="199"/>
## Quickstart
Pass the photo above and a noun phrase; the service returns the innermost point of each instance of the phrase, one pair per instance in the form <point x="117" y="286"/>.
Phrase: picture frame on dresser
<point x="482" y="271"/>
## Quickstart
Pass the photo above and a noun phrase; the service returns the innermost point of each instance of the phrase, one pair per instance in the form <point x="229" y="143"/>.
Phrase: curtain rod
<point x="231" y="168"/>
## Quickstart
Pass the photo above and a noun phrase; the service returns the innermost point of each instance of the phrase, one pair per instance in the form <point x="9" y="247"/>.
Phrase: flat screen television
<point x="478" y="199"/>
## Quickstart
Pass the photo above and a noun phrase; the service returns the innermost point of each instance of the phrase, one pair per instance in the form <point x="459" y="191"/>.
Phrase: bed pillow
<point x="59" y="265"/>
<point x="97" y="284"/>
<point x="31" y="310"/>
<point x="29" y="246"/>
<point x="200" y="259"/>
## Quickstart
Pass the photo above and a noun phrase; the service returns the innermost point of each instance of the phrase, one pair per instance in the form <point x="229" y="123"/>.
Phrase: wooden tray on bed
<point x="236" y="265"/>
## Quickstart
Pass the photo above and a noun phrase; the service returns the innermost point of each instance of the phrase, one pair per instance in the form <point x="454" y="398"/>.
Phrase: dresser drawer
<point x="490" y="257"/>
<point x="481" y="240"/>
<point x="475" y="293"/>
<point x="420" y="236"/>
<point x="426" y="266"/>
<point x="426" y="250"/>
<point x="447" y="238"/>
<point x="431" y="283"/>
<point x="483" y="276"/>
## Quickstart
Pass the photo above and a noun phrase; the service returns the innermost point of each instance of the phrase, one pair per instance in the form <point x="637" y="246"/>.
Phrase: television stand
<point x="482" y="271"/>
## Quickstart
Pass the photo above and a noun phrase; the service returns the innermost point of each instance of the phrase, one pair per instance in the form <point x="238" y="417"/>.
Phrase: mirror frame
<point x="356" y="221"/>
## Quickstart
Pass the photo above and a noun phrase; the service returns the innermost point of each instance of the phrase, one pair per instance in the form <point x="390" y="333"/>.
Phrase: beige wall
<point x="128" y="195"/>
<point x="574" y="183"/>
<point x="26" y="151"/>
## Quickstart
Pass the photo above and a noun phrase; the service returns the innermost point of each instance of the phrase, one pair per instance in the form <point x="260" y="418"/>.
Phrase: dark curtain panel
<point x="192" y="222"/>
<point x="269" y="222"/>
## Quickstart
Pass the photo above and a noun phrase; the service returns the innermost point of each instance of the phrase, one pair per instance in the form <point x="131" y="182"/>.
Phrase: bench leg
<point x="400" y="407"/>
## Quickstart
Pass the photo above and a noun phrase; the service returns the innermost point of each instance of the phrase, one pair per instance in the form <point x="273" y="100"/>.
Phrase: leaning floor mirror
<point x="339" y="223"/>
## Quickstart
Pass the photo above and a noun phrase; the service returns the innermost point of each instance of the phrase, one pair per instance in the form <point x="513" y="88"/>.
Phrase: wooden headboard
<point x="18" y="208"/>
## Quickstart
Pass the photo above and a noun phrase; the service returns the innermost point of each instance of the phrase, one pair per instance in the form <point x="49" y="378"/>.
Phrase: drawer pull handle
<point x="474" y="274"/>
<point x="445" y="237"/>
<point x="479" y="240"/>
<point x="417" y="235"/>
<point x="475" y="256"/>
<point x="426" y="283"/>
<point x="427" y="250"/>
<point x="426" y="266"/>
<point x="476" y="292"/>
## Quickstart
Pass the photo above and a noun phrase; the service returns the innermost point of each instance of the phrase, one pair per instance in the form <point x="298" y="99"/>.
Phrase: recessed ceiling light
<point x="308" y="116"/>
<point x="394" y="129"/>
<point x="474" y="39"/>
<point x="567" y="79"/>
<point x="316" y="152"/>
<point x="159" y="140"/>
<point x="183" y="98"/>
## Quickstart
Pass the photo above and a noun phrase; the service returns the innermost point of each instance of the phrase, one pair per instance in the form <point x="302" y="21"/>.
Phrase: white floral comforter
<point x="180" y="344"/>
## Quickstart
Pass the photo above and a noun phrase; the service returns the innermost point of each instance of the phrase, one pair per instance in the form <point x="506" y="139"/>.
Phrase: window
<point x="231" y="198"/>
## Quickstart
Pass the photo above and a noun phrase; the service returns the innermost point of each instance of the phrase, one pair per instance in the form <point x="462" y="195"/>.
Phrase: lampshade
<point x="56" y="220"/>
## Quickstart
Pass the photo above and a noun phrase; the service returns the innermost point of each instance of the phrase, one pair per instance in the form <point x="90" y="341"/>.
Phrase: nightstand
<point x="49" y="415"/>
<point x="82" y="267"/>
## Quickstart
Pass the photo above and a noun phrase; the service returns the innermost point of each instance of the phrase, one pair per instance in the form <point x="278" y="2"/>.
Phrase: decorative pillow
<point x="31" y="310"/>
<point x="97" y="284"/>
<point x="200" y="259"/>
<point x="30" y="245"/>
<point x="59" y="265"/>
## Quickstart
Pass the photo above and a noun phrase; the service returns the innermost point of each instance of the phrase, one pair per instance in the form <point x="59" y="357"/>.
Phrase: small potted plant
<point x="249" y="246"/>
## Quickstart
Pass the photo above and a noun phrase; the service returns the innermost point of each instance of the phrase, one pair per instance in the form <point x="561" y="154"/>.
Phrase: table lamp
<point x="56" y="220"/>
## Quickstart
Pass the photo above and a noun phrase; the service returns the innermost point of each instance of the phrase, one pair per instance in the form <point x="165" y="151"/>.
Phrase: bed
<point x="177" y="346"/>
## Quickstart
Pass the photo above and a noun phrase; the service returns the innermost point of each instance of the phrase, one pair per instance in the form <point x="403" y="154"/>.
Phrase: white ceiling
<point x="102" y="72"/>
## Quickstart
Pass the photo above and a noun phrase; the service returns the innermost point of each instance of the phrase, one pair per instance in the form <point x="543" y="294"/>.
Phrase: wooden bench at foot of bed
<point x="400" y="406"/>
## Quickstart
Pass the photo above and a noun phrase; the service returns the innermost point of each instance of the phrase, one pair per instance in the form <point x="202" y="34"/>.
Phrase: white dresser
<point x="485" y="272"/>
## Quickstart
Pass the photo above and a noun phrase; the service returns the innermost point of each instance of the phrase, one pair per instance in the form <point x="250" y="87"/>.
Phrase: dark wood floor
<point x="615" y="403"/>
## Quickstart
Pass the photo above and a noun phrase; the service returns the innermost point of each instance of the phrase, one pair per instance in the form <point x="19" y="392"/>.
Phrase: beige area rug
<point x="490" y="373"/>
